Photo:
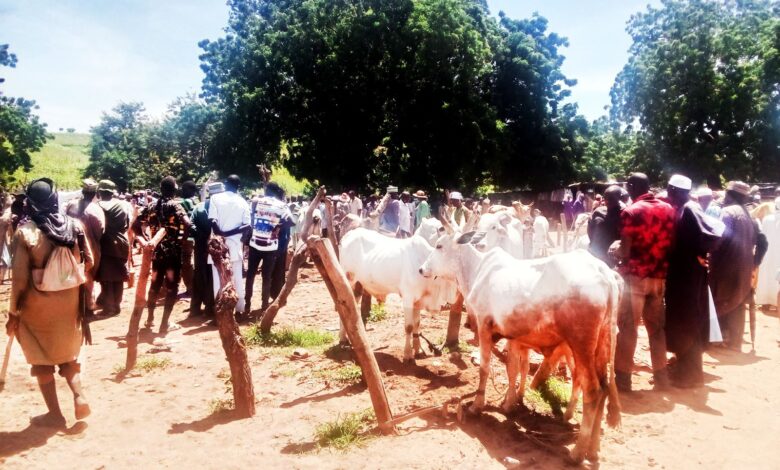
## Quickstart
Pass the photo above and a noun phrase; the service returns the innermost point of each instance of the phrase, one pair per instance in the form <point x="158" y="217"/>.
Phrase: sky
<point x="79" y="58"/>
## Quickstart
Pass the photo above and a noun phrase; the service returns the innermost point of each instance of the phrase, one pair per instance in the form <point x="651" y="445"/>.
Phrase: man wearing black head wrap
<point x="46" y="323"/>
<point x="166" y="214"/>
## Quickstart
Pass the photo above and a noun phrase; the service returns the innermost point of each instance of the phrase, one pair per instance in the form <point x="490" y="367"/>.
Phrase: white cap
<point x="680" y="181"/>
<point x="456" y="195"/>
<point x="704" y="192"/>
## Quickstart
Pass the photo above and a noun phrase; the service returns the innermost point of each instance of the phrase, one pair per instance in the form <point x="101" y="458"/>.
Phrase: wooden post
<point x="453" y="327"/>
<point x="325" y="259"/>
<point x="232" y="341"/>
<point x="332" y="228"/>
<point x="140" y="300"/>
<point x="299" y="256"/>
<point x="565" y="233"/>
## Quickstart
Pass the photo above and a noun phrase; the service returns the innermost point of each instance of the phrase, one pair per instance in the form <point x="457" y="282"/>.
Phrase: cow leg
<point x="485" y="354"/>
<point x="512" y="367"/>
<point x="524" y="367"/>
<point x="408" y="332"/>
<point x="595" y="436"/>
<point x="590" y="399"/>
<point x="573" y="399"/>
<point x="416" y="334"/>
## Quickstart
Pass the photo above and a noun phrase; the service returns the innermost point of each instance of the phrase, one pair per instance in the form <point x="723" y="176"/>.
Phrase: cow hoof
<point x="508" y="407"/>
<point x="574" y="458"/>
<point x="420" y="355"/>
<point x="410" y="362"/>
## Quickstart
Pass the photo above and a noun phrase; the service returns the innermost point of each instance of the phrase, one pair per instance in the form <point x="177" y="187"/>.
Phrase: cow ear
<point x="465" y="238"/>
<point x="504" y="218"/>
<point x="477" y="238"/>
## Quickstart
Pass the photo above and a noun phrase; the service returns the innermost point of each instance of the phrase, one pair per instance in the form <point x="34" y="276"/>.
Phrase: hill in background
<point x="62" y="159"/>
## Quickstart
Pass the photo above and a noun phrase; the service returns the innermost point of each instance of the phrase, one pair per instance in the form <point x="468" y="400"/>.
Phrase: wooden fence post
<point x="565" y="229"/>
<point x="453" y="327"/>
<point x="232" y="341"/>
<point x="324" y="258"/>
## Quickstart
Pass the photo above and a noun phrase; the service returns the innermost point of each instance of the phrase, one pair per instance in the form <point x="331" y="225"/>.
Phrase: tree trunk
<point x="325" y="259"/>
<point x="140" y="300"/>
<point x="453" y="328"/>
<point x="232" y="341"/>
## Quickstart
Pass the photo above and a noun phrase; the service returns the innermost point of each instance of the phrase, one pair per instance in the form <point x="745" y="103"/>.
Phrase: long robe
<point x="766" y="291"/>
<point x="687" y="300"/>
<point x="49" y="323"/>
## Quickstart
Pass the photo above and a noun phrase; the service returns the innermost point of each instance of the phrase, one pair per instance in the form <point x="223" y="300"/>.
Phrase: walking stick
<point x="752" y="310"/>
<point x="6" y="359"/>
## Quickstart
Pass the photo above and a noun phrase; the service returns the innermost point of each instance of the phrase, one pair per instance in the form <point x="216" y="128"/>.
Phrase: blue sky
<point x="78" y="58"/>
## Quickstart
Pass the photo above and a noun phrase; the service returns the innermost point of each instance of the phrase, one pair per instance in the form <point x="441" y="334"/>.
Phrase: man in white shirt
<point x="230" y="217"/>
<point x="355" y="204"/>
<point x="541" y="234"/>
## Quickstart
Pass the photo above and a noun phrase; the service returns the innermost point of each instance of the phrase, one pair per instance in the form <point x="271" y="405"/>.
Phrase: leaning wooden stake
<point x="299" y="256"/>
<point x="232" y="341"/>
<point x="324" y="258"/>
<point x="140" y="300"/>
<point x="453" y="328"/>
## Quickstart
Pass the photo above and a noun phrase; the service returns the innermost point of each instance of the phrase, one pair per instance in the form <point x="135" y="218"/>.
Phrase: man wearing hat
<point x="423" y="210"/>
<point x="457" y="212"/>
<point x="390" y="220"/>
<point x="114" y="249"/>
<point x="687" y="294"/>
<point x="647" y="228"/>
<point x="406" y="221"/>
<point x="86" y="209"/>
<point x="741" y="249"/>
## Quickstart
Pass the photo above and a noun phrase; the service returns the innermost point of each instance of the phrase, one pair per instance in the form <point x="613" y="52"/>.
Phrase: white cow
<point x="501" y="230"/>
<point x="569" y="299"/>
<point x="384" y="266"/>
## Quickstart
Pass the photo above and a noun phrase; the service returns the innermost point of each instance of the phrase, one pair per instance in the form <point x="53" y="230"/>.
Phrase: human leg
<point x="187" y="273"/>
<point x="53" y="418"/>
<point x="238" y="282"/>
<point x="254" y="259"/>
<point x="158" y="276"/>
<point x="71" y="371"/>
<point x="278" y="274"/>
<point x="654" y="316"/>
<point x="267" y="269"/>
<point x="172" y="279"/>
<point x="628" y="320"/>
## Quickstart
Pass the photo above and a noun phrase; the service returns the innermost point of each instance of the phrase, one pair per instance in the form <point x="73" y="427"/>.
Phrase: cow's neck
<point x="468" y="262"/>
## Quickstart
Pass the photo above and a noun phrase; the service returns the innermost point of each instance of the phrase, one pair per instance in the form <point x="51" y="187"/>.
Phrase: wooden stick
<point x="297" y="261"/>
<point x="140" y="300"/>
<point x="6" y="359"/>
<point x="332" y="228"/>
<point x="232" y="341"/>
<point x="325" y="259"/>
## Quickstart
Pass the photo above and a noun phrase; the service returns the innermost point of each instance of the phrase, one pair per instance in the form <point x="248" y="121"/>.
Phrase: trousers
<point x="643" y="300"/>
<point x="238" y="282"/>
<point x="268" y="260"/>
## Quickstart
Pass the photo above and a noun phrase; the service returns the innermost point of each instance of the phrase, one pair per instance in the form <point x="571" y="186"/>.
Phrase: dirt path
<point x="164" y="418"/>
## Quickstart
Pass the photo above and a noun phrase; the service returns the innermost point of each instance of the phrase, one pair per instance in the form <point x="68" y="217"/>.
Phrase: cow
<point x="503" y="230"/>
<point x="383" y="265"/>
<point x="568" y="299"/>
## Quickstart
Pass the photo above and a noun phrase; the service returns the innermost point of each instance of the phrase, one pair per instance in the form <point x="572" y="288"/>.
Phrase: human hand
<point x="12" y="325"/>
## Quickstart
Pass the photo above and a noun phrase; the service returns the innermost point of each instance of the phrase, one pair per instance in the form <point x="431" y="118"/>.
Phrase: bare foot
<point x="82" y="408"/>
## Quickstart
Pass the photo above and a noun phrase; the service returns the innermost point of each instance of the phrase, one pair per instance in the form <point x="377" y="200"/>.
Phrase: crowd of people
<point x="688" y="259"/>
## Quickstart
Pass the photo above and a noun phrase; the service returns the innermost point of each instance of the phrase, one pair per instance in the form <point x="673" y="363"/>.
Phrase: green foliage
<point x="421" y="93"/>
<point x="378" y="313"/>
<point x="63" y="159"/>
<point x="609" y="154"/>
<point x="152" y="363"/>
<point x="346" y="431"/>
<point x="21" y="131"/>
<point x="287" y="337"/>
<point x="221" y="405"/>
<point x="702" y="82"/>
<point x="344" y="375"/>
<point x="552" y="396"/>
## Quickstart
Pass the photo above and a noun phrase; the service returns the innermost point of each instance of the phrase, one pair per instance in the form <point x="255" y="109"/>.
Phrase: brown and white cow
<point x="569" y="299"/>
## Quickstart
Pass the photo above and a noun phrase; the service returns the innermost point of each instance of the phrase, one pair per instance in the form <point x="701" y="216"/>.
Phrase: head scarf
<point x="43" y="208"/>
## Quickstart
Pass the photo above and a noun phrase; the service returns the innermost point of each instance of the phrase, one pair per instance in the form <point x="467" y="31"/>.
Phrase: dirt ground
<point x="165" y="418"/>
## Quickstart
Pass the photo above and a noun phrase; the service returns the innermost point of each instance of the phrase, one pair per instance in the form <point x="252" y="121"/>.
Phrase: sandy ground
<point x="164" y="418"/>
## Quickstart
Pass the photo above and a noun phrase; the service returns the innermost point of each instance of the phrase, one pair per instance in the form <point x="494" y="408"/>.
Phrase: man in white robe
<point x="766" y="290"/>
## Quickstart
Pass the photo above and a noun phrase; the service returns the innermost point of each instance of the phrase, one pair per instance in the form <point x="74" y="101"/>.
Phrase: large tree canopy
<point x="430" y="93"/>
<point x="21" y="132"/>
<point x="702" y="82"/>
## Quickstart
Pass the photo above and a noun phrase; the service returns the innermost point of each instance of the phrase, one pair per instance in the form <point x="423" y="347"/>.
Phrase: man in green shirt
<point x="423" y="210"/>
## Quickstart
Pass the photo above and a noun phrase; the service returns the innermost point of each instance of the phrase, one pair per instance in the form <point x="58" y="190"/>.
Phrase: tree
<point x="701" y="83"/>
<point x="610" y="152"/>
<point x="21" y="131"/>
<point x="428" y="93"/>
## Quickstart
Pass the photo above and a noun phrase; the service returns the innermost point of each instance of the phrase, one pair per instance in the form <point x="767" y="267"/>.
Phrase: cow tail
<point x="613" y="403"/>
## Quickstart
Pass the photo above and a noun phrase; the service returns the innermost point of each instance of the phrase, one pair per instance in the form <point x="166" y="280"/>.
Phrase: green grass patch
<point x="63" y="159"/>
<point x="377" y="313"/>
<point x="221" y="405"/>
<point x="552" y="396"/>
<point x="348" y="374"/>
<point x="287" y="337"/>
<point x="152" y="363"/>
<point x="462" y="347"/>
<point x="347" y="430"/>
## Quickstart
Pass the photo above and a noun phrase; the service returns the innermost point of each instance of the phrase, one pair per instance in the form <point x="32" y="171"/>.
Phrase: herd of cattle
<point x="564" y="305"/>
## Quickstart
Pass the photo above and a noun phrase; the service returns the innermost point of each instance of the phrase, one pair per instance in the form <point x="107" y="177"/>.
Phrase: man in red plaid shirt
<point x="647" y="228"/>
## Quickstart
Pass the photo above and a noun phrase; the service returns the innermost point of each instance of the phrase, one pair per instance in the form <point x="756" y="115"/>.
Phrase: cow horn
<point x="445" y="223"/>
<point x="471" y="222"/>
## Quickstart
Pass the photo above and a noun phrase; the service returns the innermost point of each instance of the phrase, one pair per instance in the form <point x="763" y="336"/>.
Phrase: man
<point x="202" y="283"/>
<point x="740" y="250"/>
<point x="541" y="234"/>
<point x="457" y="211"/>
<point x="390" y="219"/>
<point x="766" y="289"/>
<point x="166" y="214"/>
<point x="423" y="210"/>
<point x="687" y="291"/>
<point x="604" y="225"/>
<point x="269" y="216"/>
<point x="568" y="210"/>
<point x="647" y="228"/>
<point x="86" y="209"/>
<point x="189" y="195"/>
<point x="405" y="223"/>
<point x="114" y="249"/>
<point x="355" y="204"/>
<point x="230" y="218"/>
